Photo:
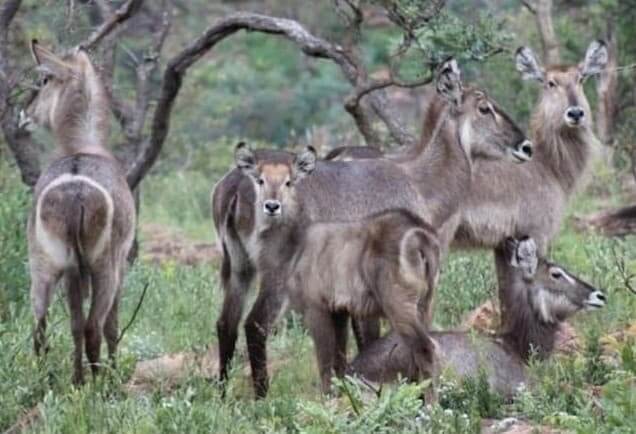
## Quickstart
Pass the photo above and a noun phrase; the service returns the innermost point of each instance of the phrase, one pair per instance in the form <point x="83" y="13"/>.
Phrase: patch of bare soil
<point x="485" y="319"/>
<point x="169" y="370"/>
<point x="163" y="245"/>
<point x="513" y="425"/>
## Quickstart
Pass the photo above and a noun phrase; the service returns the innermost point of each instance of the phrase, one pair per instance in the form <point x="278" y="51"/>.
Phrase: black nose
<point x="272" y="206"/>
<point x="601" y="296"/>
<point x="575" y="113"/>
<point x="526" y="148"/>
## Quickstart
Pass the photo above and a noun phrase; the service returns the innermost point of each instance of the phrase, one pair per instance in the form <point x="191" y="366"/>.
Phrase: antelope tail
<point x="83" y="268"/>
<point x="419" y="257"/>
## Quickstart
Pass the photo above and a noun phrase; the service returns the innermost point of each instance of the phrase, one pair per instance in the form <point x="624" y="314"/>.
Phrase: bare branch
<point x="529" y="6"/>
<point x="127" y="10"/>
<point x="371" y="86"/>
<point x="290" y="29"/>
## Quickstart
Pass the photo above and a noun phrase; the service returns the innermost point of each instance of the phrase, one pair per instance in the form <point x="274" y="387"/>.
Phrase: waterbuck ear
<point x="525" y="257"/>
<point x="595" y="59"/>
<point x="48" y="62"/>
<point x="528" y="65"/>
<point x="448" y="80"/>
<point x="245" y="159"/>
<point x="304" y="163"/>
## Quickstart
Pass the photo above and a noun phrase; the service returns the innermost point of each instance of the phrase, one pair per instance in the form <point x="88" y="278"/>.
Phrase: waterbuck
<point x="81" y="226"/>
<point x="541" y="295"/>
<point x="430" y="182"/>
<point x="379" y="265"/>
<point x="532" y="199"/>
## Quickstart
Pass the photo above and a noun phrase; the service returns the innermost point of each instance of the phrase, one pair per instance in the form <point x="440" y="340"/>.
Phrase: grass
<point x="584" y="393"/>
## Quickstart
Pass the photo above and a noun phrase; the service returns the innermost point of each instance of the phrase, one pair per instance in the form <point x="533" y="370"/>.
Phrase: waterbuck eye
<point x="552" y="84"/>
<point x="556" y="274"/>
<point x="260" y="181"/>
<point x="288" y="184"/>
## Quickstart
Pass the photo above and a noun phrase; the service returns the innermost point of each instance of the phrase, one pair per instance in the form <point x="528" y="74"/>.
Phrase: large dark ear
<point x="595" y="59"/>
<point x="528" y="65"/>
<point x="525" y="257"/>
<point x="48" y="62"/>
<point x="448" y="80"/>
<point x="245" y="159"/>
<point x="304" y="163"/>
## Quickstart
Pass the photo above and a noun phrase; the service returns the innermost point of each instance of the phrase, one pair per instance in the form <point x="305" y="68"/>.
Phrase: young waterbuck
<point x="380" y="265"/>
<point x="82" y="223"/>
<point x="430" y="182"/>
<point x="541" y="295"/>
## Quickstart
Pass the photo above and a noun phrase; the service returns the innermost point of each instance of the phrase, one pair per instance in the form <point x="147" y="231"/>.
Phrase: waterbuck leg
<point x="42" y="290"/>
<point x="103" y="295"/>
<point x="236" y="283"/>
<point x="258" y="325"/>
<point x="323" y="331"/>
<point x="340" y="322"/>
<point x="111" y="329"/>
<point x="75" y="297"/>
<point x="503" y="269"/>
<point x="402" y="310"/>
<point x="365" y="331"/>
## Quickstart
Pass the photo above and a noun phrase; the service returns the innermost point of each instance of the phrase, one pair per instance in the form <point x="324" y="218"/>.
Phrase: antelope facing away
<point x="541" y="295"/>
<point x="379" y="265"/>
<point x="82" y="223"/>
<point x="430" y="182"/>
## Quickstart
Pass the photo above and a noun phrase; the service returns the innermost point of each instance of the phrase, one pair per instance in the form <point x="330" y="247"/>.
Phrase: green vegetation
<point x="260" y="88"/>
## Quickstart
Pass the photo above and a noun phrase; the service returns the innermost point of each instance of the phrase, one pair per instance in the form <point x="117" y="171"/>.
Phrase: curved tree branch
<point x="309" y="44"/>
<point x="122" y="14"/>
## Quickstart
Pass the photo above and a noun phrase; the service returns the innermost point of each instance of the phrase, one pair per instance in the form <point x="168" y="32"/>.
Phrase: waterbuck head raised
<point x="274" y="181"/>
<point x="553" y="293"/>
<point x="563" y="102"/>
<point x="485" y="131"/>
<point x="69" y="99"/>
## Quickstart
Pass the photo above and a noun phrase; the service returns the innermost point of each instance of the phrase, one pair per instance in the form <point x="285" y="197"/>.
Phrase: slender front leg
<point x="321" y="326"/>
<point x="258" y="325"/>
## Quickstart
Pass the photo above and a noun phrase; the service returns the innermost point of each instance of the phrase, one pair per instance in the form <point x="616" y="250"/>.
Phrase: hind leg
<point x="75" y="298"/>
<point x="103" y="296"/>
<point x="111" y="329"/>
<point x="42" y="290"/>
<point x="236" y="279"/>
<point x="321" y="327"/>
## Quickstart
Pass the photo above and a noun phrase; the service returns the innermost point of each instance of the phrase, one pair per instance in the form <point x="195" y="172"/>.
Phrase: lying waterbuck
<point x="82" y="223"/>
<point x="430" y="182"/>
<point x="532" y="198"/>
<point x="541" y="296"/>
<point x="379" y="265"/>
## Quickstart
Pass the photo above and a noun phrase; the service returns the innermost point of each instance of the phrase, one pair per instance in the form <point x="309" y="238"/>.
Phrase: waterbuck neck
<point x="84" y="125"/>
<point x="527" y="333"/>
<point x="440" y="168"/>
<point x="565" y="152"/>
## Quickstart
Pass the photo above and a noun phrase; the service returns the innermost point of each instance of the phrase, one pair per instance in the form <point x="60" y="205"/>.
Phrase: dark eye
<point x="288" y="184"/>
<point x="484" y="109"/>
<point x="556" y="275"/>
<point x="260" y="181"/>
<point x="552" y="84"/>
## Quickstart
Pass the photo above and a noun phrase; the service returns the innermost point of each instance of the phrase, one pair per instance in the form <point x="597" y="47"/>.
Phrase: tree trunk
<point x="549" y="43"/>
<point x="606" y="87"/>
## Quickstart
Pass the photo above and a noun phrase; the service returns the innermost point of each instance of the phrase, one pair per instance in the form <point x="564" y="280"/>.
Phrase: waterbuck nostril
<point x="272" y="207"/>
<point x="523" y="151"/>
<point x="596" y="300"/>
<point x="575" y="114"/>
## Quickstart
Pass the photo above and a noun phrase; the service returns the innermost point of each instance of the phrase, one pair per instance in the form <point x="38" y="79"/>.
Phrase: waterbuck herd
<point x="359" y="235"/>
